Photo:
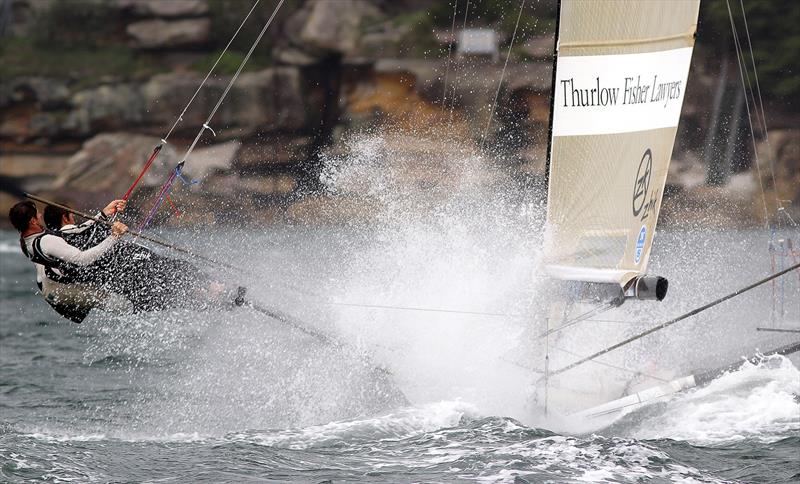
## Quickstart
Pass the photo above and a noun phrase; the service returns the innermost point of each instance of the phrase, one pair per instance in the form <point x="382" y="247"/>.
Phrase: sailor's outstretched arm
<point x="58" y="248"/>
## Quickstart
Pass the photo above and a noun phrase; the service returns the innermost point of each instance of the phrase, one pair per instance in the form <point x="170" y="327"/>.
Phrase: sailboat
<point x="618" y="86"/>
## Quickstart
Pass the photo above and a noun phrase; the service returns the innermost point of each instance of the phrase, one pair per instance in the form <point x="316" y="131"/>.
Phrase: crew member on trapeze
<point x="80" y="267"/>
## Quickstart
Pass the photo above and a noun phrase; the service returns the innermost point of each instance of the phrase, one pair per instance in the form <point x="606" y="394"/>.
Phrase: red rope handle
<point x="150" y="160"/>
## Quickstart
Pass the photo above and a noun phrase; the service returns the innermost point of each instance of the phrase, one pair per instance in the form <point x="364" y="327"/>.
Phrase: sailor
<point x="58" y="264"/>
<point x="150" y="282"/>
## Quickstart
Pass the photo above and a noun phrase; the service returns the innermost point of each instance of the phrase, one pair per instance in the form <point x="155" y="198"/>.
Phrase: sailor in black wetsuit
<point x="58" y="264"/>
<point x="81" y="267"/>
<point x="149" y="281"/>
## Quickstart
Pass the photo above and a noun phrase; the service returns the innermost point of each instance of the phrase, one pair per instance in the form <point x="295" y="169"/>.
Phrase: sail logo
<point x="619" y="93"/>
<point x="642" y="184"/>
<point x="637" y="253"/>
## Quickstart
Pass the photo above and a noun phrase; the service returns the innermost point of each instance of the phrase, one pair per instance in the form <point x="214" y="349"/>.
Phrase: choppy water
<point x="230" y="397"/>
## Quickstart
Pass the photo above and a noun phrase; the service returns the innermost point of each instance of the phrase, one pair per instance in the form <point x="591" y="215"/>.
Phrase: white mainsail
<point x="620" y="79"/>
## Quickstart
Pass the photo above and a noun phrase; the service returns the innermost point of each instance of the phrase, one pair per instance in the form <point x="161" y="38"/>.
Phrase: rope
<point x="582" y="317"/>
<point x="165" y="188"/>
<point x="739" y="55"/>
<point x="502" y="75"/>
<point x="232" y="81"/>
<point x="153" y="155"/>
<point x="760" y="105"/>
<point x="678" y="319"/>
<point x="157" y="149"/>
<point x="427" y="310"/>
<point x="616" y="367"/>
<point x="449" y="53"/>
<point x="176" y="172"/>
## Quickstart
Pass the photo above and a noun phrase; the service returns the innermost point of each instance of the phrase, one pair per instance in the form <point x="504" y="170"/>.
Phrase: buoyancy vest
<point x="57" y="271"/>
<point x="54" y="269"/>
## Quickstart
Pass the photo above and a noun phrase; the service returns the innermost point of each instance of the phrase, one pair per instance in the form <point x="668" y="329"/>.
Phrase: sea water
<point x="236" y="397"/>
<point x="429" y="292"/>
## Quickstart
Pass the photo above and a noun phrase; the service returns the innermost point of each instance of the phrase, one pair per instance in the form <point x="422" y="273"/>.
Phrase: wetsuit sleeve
<point x="58" y="248"/>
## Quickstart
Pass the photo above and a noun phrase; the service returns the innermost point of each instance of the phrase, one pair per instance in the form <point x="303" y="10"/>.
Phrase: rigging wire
<point x="231" y="82"/>
<point x="451" y="41"/>
<point x="455" y="82"/>
<point x="616" y="367"/>
<point x="760" y="106"/>
<point x="676" y="320"/>
<point x="176" y="172"/>
<point x="739" y="55"/>
<point x="158" y="147"/>
<point x="600" y="308"/>
<point x="502" y="75"/>
<point x="422" y="309"/>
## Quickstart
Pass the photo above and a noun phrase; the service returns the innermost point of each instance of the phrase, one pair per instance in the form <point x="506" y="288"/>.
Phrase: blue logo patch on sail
<point x="637" y="254"/>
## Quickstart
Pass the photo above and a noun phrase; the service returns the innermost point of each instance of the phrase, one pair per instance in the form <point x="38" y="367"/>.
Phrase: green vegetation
<point x="25" y="57"/>
<point x="230" y="62"/>
<point x="77" y="23"/>
<point x="81" y="39"/>
<point x="774" y="27"/>
<point x="227" y="15"/>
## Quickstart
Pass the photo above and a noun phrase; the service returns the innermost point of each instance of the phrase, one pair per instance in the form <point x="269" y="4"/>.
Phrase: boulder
<point x="212" y="159"/>
<point x="45" y="93"/>
<point x="280" y="184"/>
<point x="108" y="163"/>
<point x="259" y="101"/>
<point x="270" y="99"/>
<point x="22" y="165"/>
<point x="163" y="34"/>
<point x="336" y="26"/>
<point x="166" y="95"/>
<point x="293" y="56"/>
<point x="278" y="149"/>
<point x="105" y="108"/>
<point x="170" y="8"/>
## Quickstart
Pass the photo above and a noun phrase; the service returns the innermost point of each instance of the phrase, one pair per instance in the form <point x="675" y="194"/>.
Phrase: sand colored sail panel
<point x="620" y="80"/>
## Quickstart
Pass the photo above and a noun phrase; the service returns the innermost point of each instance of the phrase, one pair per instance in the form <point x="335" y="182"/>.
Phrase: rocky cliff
<point x="328" y="73"/>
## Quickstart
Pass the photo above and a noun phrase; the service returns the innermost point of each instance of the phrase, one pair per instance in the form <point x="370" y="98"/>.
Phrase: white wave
<point x="119" y="436"/>
<point x="401" y="424"/>
<point x="757" y="401"/>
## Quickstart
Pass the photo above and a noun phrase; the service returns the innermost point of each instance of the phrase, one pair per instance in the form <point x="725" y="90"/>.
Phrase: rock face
<point x="216" y="158"/>
<point x="162" y="34"/>
<point x="335" y="26"/>
<point x="45" y="92"/>
<point x="259" y="101"/>
<point x="109" y="163"/>
<point x="105" y="108"/>
<point x="168" y="8"/>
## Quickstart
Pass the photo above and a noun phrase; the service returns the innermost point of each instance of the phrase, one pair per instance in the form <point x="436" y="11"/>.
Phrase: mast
<point x="552" y="97"/>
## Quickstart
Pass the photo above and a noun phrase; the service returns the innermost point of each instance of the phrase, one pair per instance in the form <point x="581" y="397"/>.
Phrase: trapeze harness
<point x="60" y="286"/>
